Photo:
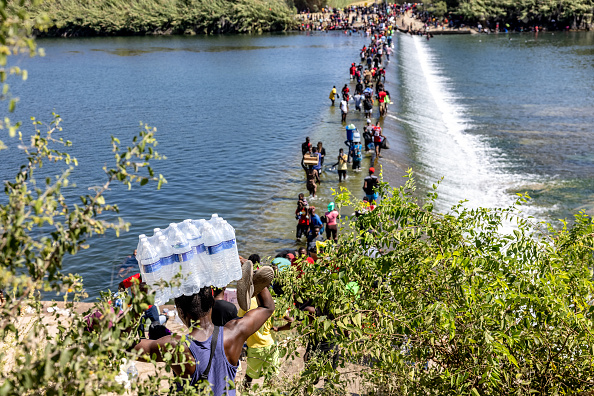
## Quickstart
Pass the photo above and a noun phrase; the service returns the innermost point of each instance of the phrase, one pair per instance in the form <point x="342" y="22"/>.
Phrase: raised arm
<point x="237" y="331"/>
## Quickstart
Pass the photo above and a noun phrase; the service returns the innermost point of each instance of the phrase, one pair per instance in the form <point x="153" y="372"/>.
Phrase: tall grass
<point x="138" y="17"/>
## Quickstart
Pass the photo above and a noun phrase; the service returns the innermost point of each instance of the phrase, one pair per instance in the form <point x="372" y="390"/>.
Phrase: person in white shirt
<point x="344" y="108"/>
<point x="358" y="98"/>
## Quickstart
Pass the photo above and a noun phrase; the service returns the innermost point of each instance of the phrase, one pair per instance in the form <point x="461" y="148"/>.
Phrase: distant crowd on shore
<point x="352" y="19"/>
<point x="412" y="18"/>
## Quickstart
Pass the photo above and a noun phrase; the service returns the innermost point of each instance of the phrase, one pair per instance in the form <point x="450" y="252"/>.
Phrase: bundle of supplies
<point x="198" y="252"/>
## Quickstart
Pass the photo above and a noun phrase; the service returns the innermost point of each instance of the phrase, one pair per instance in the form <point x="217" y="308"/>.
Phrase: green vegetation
<point x="575" y="13"/>
<point x="451" y="304"/>
<point x="140" y="17"/>
<point x="439" y="8"/>
<point x="446" y="303"/>
<point x="317" y="5"/>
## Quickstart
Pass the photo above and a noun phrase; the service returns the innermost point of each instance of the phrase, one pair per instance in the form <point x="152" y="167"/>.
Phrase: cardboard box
<point x="231" y="295"/>
<point x="310" y="160"/>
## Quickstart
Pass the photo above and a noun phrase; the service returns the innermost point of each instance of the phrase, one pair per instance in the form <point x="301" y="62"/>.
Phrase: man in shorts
<point x="382" y="102"/>
<point x="368" y="106"/>
<point x="344" y="109"/>
<point x="312" y="177"/>
<point x="342" y="165"/>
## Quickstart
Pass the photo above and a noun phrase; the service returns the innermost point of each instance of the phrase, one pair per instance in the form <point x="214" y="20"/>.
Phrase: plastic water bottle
<point x="168" y="268"/>
<point x="183" y="254"/>
<point x="213" y="219"/>
<point x="232" y="262"/>
<point x="203" y="260"/>
<point x="150" y="263"/>
<point x="139" y="246"/>
<point x="194" y="239"/>
<point x="213" y="241"/>
<point x="132" y="372"/>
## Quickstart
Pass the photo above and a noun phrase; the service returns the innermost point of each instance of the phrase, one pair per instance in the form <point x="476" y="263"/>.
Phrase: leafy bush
<point x="579" y="13"/>
<point x="450" y="303"/>
<point x="416" y="302"/>
<point x="129" y="17"/>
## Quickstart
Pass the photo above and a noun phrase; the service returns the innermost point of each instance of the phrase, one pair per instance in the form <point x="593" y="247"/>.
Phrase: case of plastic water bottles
<point x="188" y="255"/>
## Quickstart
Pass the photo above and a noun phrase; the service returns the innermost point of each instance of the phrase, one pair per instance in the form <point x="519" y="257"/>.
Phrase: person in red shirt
<point x="157" y="329"/>
<point x="302" y="216"/>
<point x="301" y="257"/>
<point x="353" y="70"/>
<point x="345" y="92"/>
<point x="378" y="136"/>
<point x="382" y="102"/>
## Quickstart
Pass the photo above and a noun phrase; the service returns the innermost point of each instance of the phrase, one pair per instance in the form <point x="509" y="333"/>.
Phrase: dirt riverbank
<point x="290" y="367"/>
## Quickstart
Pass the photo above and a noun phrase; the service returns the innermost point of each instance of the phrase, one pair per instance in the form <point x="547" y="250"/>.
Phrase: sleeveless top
<point x="221" y="371"/>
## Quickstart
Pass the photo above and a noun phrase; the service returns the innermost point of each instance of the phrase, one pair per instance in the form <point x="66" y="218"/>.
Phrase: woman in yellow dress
<point x="332" y="96"/>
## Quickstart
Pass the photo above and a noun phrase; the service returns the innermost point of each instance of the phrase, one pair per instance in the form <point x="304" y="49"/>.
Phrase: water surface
<point x="492" y="116"/>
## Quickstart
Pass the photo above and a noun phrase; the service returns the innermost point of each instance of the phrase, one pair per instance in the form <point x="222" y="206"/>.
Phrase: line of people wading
<point x="217" y="331"/>
<point x="369" y="96"/>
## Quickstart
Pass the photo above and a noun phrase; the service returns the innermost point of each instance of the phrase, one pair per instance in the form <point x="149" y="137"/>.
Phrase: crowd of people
<point x="352" y="19"/>
<point x="367" y="93"/>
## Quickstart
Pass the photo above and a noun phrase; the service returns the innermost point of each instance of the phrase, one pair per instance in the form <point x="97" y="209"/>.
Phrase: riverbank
<point x="71" y="18"/>
<point x="56" y="315"/>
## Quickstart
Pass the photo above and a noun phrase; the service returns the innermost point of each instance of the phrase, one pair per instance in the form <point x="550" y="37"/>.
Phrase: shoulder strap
<point x="213" y="347"/>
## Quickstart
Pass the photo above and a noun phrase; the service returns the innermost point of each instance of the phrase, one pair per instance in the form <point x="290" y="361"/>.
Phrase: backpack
<point x="357" y="153"/>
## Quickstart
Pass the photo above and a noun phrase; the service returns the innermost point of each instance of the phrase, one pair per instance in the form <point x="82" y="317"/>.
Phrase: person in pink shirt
<point x="332" y="217"/>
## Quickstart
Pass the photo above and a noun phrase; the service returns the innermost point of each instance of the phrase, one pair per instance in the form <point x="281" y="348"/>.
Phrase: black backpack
<point x="371" y="184"/>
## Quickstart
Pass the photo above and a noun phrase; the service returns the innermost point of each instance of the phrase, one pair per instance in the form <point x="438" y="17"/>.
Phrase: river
<point x="492" y="114"/>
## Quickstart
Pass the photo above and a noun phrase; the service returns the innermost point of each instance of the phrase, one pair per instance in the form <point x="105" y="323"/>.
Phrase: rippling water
<point x="493" y="116"/>
<point x="502" y="114"/>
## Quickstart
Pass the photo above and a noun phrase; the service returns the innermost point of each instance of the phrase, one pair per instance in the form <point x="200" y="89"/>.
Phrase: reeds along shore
<point x="144" y="17"/>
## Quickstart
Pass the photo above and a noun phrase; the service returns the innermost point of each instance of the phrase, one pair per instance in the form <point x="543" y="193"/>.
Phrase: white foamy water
<point x="439" y="132"/>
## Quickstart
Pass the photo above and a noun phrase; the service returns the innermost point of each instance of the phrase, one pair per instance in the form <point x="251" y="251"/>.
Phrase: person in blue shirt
<point x="315" y="220"/>
<point x="356" y="154"/>
<point x="317" y="167"/>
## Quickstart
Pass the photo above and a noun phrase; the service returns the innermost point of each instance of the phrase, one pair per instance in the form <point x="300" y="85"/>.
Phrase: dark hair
<point x="254" y="258"/>
<point x="157" y="330"/>
<point x="217" y="290"/>
<point x="197" y="305"/>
